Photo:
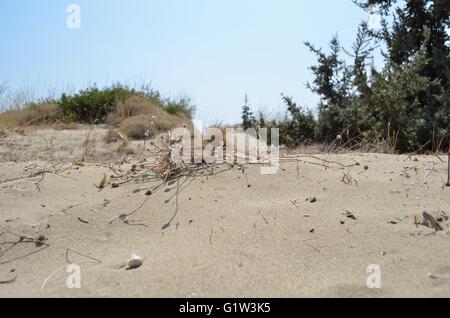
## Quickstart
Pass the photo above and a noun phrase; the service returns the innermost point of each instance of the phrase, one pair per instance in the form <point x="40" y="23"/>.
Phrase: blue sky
<point x="213" y="50"/>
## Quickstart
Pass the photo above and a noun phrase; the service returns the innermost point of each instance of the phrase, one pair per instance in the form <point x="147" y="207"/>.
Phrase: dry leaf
<point x="350" y="215"/>
<point x="103" y="182"/>
<point x="79" y="163"/>
<point x="430" y="221"/>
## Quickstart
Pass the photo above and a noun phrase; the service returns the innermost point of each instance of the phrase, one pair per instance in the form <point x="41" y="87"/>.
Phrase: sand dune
<point x="307" y="231"/>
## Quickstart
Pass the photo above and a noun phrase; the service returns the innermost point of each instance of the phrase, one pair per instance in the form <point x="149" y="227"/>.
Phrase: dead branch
<point x="39" y="241"/>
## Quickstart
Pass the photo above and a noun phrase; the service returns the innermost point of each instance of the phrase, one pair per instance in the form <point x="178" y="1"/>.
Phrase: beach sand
<point x="307" y="231"/>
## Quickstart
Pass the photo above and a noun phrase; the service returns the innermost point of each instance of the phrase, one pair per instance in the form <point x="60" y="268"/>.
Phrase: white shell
<point x="135" y="261"/>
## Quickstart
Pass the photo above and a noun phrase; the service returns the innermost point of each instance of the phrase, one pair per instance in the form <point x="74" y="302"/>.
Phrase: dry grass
<point x="112" y="136"/>
<point x="135" y="106"/>
<point x="137" y="116"/>
<point x="137" y="127"/>
<point x="134" y="118"/>
<point x="42" y="114"/>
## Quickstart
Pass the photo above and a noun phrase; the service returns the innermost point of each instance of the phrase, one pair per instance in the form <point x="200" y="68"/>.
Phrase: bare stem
<point x="448" y="170"/>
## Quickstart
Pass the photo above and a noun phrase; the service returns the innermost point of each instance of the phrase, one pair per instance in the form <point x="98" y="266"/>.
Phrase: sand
<point x="235" y="234"/>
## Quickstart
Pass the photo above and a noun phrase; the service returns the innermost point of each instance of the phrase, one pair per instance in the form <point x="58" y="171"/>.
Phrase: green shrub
<point x="88" y="106"/>
<point x="183" y="105"/>
<point x="247" y="116"/>
<point x="93" y="105"/>
<point x="299" y="127"/>
<point x="406" y="103"/>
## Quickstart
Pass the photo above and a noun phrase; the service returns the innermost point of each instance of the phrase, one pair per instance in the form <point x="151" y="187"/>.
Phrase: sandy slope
<point x="30" y="144"/>
<point x="230" y="239"/>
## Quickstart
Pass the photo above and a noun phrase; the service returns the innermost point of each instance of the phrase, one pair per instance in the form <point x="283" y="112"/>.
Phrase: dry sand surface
<point x="234" y="234"/>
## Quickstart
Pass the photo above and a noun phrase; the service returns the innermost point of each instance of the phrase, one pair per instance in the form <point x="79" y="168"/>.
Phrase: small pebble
<point x="115" y="185"/>
<point x="148" y="192"/>
<point x="134" y="262"/>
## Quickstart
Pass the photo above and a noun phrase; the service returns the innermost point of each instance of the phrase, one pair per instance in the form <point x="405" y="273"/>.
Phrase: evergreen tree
<point x="408" y="98"/>
<point x="332" y="83"/>
<point x="299" y="128"/>
<point x="418" y="40"/>
<point x="247" y="116"/>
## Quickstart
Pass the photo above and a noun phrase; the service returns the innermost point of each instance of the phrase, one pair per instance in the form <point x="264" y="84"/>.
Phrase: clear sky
<point x="213" y="50"/>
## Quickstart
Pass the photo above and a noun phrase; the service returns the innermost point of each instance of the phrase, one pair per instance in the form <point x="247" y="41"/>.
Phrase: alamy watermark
<point x="74" y="278"/>
<point x="73" y="20"/>
<point x="374" y="278"/>
<point x="375" y="19"/>
<point x="230" y="145"/>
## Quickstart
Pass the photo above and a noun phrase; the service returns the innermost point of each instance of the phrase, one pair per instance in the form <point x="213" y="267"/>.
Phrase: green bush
<point x="248" y="119"/>
<point x="401" y="105"/>
<point x="299" y="127"/>
<point x="183" y="105"/>
<point x="93" y="105"/>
